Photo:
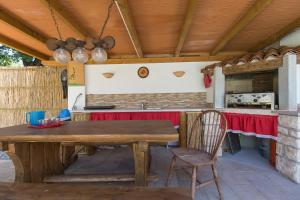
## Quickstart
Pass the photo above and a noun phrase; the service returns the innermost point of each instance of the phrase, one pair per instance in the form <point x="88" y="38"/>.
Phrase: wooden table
<point x="35" y="152"/>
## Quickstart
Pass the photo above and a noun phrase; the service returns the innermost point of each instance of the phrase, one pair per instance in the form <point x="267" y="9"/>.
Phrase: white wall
<point x="73" y="92"/>
<point x="287" y="83"/>
<point x="219" y="88"/>
<point x="292" y="39"/>
<point x="298" y="84"/>
<point x="160" y="79"/>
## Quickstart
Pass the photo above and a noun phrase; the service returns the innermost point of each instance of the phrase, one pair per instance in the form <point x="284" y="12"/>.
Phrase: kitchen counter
<point x="141" y="110"/>
<point x="232" y="110"/>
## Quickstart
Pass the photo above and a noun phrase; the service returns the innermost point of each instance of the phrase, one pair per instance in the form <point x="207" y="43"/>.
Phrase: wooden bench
<point x="42" y="191"/>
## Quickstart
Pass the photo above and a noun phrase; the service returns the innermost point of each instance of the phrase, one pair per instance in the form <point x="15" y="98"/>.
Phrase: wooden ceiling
<point x="212" y="30"/>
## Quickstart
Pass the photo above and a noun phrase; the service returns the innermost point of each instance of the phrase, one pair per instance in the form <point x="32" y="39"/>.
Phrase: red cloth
<point x="264" y="126"/>
<point x="174" y="117"/>
<point x="207" y="80"/>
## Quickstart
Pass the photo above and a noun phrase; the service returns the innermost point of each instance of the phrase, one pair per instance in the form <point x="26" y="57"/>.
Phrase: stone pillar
<point x="288" y="145"/>
<point x="219" y="87"/>
<point x="287" y="83"/>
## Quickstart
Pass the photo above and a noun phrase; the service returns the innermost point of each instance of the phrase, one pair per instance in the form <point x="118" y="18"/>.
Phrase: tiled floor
<point x="245" y="175"/>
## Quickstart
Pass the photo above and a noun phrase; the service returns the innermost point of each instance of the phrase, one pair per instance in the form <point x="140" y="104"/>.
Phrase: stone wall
<point x="155" y="100"/>
<point x="263" y="82"/>
<point x="288" y="146"/>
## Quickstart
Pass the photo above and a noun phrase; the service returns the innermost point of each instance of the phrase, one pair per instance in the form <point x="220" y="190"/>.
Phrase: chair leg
<point x="170" y="170"/>
<point x="194" y="180"/>
<point x="217" y="180"/>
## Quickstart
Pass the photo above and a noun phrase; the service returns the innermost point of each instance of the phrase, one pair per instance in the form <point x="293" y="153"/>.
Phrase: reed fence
<point x="28" y="89"/>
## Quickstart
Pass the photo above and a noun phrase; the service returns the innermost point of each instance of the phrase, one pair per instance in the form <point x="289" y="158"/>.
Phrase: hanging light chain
<point x="54" y="19"/>
<point x="107" y="18"/>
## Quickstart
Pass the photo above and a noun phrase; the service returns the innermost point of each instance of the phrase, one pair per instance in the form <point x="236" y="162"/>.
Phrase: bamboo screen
<point x="28" y="89"/>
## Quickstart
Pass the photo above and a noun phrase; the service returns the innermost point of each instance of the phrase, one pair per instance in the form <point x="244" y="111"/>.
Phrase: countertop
<point x="232" y="110"/>
<point x="141" y="110"/>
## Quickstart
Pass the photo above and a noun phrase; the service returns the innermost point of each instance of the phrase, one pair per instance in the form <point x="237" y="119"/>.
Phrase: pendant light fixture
<point x="80" y="49"/>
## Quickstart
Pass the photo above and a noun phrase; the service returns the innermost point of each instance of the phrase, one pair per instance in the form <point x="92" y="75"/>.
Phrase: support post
<point x="183" y="129"/>
<point x="287" y="83"/>
<point x="219" y="87"/>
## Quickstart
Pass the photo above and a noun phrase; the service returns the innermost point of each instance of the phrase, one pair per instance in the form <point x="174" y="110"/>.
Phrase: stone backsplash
<point x="153" y="100"/>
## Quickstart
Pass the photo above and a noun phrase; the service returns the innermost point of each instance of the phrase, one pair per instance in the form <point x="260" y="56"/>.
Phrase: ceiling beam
<point x="68" y="20"/>
<point x="8" y="19"/>
<point x="277" y="36"/>
<point x="125" y="13"/>
<point x="151" y="60"/>
<point x="191" y="8"/>
<point x="167" y="59"/>
<point x="190" y="54"/>
<point x="22" y="48"/>
<point x="256" y="9"/>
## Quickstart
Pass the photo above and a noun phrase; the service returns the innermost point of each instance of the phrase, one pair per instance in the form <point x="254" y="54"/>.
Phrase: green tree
<point x="9" y="57"/>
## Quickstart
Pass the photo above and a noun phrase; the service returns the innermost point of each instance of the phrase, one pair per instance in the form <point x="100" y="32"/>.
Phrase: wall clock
<point x="143" y="72"/>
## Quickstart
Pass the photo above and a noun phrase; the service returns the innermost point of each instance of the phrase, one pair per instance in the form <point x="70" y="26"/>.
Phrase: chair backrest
<point x="208" y="132"/>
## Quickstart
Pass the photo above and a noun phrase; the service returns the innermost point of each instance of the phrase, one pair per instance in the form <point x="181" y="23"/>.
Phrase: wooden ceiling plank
<point x="22" y="48"/>
<point x="277" y="36"/>
<point x="68" y="20"/>
<point x="191" y="8"/>
<point x="20" y="26"/>
<point x="255" y="10"/>
<point x="125" y="13"/>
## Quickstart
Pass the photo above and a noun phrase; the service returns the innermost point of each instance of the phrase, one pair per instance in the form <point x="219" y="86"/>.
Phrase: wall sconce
<point x="108" y="74"/>
<point x="179" y="73"/>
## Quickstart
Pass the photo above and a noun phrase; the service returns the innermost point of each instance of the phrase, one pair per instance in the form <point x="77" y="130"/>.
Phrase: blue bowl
<point x="64" y="115"/>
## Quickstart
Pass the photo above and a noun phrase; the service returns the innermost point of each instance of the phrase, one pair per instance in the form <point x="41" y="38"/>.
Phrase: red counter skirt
<point x="174" y="117"/>
<point x="262" y="126"/>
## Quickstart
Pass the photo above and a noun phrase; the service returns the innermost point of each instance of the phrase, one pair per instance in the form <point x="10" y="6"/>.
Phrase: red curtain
<point x="265" y="126"/>
<point x="174" y="117"/>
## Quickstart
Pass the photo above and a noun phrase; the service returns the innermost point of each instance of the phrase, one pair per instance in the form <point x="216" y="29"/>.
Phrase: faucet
<point x="74" y="107"/>
<point x="143" y="105"/>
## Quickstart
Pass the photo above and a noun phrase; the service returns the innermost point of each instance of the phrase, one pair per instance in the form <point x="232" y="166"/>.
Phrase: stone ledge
<point x="279" y="149"/>
<point x="294" y="133"/>
<point x="289" y="132"/>
<point x="283" y="130"/>
<point x="289" y="121"/>
<point x="287" y="140"/>
<point x="287" y="112"/>
<point x="288" y="152"/>
<point x="288" y="168"/>
<point x="294" y="129"/>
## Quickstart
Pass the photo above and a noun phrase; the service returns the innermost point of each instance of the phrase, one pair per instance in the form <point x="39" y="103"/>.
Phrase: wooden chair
<point x="206" y="136"/>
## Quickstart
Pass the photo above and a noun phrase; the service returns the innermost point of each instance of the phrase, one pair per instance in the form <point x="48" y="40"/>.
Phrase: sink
<point x="153" y="108"/>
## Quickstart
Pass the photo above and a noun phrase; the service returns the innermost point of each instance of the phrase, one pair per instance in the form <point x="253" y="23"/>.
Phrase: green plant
<point x="12" y="57"/>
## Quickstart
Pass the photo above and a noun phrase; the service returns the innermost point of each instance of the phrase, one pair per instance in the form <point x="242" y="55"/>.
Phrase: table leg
<point x="19" y="154"/>
<point x="33" y="161"/>
<point x="141" y="161"/>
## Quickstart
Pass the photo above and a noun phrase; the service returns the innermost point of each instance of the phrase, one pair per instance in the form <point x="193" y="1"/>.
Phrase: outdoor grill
<point x="250" y="100"/>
